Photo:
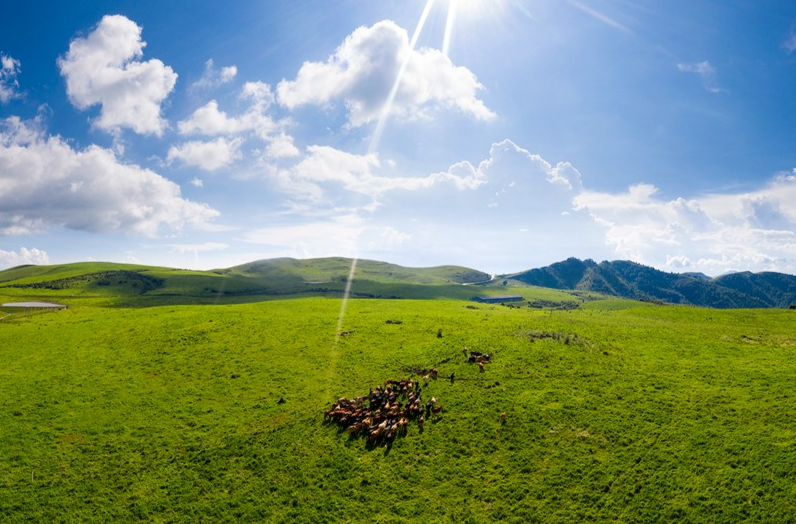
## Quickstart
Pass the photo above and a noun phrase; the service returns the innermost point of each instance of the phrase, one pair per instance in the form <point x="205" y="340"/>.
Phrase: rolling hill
<point x="136" y="285"/>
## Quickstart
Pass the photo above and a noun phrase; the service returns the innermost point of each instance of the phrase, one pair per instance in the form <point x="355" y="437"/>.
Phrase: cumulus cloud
<point x="714" y="233"/>
<point x="234" y="131"/>
<point x="510" y="177"/>
<point x="9" y="85"/>
<point x="282" y="146"/>
<point x="512" y="205"/>
<point x="362" y="71"/>
<point x="515" y="205"/>
<point x="105" y="69"/>
<point x="209" y="156"/>
<point x="23" y="256"/>
<point x="45" y="183"/>
<point x="325" y="170"/>
<point x="212" y="77"/>
<point x="209" y="120"/>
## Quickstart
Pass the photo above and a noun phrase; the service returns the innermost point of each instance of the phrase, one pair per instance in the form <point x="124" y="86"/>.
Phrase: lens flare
<point x="344" y="303"/>
<point x="449" y="21"/>
<point x="385" y="111"/>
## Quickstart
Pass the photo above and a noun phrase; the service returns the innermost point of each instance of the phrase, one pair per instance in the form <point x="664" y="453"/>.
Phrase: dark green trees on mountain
<point x="639" y="282"/>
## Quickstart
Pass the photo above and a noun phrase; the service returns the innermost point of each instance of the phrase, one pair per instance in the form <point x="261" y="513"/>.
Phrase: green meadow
<point x="614" y="412"/>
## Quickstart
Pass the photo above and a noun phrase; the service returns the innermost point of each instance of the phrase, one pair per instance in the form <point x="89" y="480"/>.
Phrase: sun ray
<point x="385" y="112"/>
<point x="446" y="41"/>
<point x="344" y="303"/>
<point x="598" y="16"/>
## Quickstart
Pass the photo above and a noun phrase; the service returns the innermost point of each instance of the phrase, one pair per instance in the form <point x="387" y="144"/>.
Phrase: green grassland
<point x="616" y="411"/>
<point x="126" y="285"/>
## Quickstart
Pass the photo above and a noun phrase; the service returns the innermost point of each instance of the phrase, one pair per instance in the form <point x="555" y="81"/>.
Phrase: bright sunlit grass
<point x="185" y="413"/>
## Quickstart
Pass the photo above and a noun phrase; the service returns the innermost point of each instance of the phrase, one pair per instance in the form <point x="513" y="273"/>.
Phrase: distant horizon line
<point x="492" y="275"/>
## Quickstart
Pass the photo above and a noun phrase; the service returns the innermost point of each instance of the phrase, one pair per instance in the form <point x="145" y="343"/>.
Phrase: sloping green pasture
<point x="125" y="285"/>
<point x="633" y="413"/>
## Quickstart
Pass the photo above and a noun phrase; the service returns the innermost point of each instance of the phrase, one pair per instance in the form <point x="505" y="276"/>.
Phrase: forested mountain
<point x="636" y="281"/>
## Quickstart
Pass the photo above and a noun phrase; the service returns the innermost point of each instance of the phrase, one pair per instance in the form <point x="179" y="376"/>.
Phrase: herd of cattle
<point x="385" y="412"/>
<point x="476" y="357"/>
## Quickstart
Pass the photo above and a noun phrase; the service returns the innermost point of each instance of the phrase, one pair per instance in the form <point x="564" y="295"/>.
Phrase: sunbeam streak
<point x="385" y="112"/>
<point x="598" y="16"/>
<point x="446" y="40"/>
<point x="344" y="303"/>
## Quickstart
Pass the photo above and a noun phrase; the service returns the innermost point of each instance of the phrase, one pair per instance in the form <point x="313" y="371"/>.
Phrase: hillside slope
<point x="639" y="282"/>
<point x="136" y="285"/>
<point x="338" y="268"/>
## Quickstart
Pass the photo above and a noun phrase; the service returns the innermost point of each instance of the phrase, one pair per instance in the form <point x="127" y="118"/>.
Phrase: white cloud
<point x="468" y="214"/>
<point x="515" y="206"/>
<point x="45" y="183"/>
<point x="511" y="177"/>
<point x="23" y="256"/>
<point x="716" y="233"/>
<point x="197" y="182"/>
<point x="364" y="68"/>
<point x="705" y="72"/>
<point x="209" y="156"/>
<point x="259" y="93"/>
<point x="700" y="68"/>
<point x="228" y="74"/>
<point x="105" y="69"/>
<point x="212" y="77"/>
<point x="9" y="86"/>
<point x="330" y="168"/>
<point x="281" y="146"/>
<point x="234" y="131"/>
<point x="209" y="120"/>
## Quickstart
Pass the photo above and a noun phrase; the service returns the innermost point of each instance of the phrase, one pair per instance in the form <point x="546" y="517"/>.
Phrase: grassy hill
<point x="615" y="412"/>
<point x="338" y="268"/>
<point x="134" y="285"/>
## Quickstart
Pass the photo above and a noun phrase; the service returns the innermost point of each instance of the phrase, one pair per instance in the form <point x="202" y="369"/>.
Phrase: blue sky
<point x="497" y="134"/>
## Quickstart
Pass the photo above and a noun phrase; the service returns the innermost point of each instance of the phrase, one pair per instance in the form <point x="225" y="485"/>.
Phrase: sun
<point x="472" y="9"/>
<point x="473" y="6"/>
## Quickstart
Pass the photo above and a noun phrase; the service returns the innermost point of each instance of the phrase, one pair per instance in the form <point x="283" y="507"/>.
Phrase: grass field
<point x="126" y="285"/>
<point x="615" y="412"/>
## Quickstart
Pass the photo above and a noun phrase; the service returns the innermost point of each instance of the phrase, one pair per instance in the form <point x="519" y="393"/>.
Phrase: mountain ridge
<point x="282" y="277"/>
<point x="632" y="280"/>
